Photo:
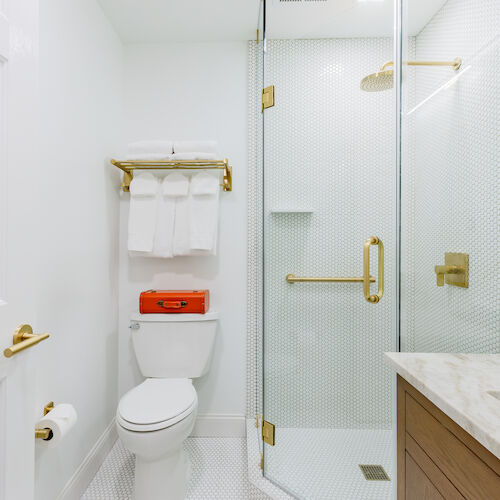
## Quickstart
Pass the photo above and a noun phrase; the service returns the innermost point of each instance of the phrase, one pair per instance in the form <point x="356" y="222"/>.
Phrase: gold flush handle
<point x="374" y="299"/>
<point x="24" y="338"/>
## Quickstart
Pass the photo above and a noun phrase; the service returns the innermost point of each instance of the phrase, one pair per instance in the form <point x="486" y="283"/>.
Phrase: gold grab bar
<point x="128" y="168"/>
<point x="366" y="269"/>
<point x="291" y="278"/>
<point x="23" y="338"/>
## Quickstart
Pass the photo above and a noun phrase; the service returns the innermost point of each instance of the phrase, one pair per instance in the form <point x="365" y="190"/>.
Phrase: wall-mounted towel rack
<point x="128" y="168"/>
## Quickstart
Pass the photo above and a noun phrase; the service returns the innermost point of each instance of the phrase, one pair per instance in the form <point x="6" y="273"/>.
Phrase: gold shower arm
<point x="455" y="64"/>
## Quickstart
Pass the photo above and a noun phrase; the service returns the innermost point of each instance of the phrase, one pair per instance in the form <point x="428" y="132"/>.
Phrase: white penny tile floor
<point x="219" y="472"/>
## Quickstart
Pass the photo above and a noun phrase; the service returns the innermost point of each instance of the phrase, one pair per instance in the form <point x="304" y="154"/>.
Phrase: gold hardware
<point x="257" y="38"/>
<point x="128" y="168"/>
<point x="48" y="407"/>
<point x="291" y="278"/>
<point x="455" y="271"/>
<point x="45" y="434"/>
<point x="268" y="97"/>
<point x="366" y="270"/>
<point x="23" y="338"/>
<point x="268" y="432"/>
<point x="261" y="461"/>
<point x="257" y="421"/>
<point x="455" y="64"/>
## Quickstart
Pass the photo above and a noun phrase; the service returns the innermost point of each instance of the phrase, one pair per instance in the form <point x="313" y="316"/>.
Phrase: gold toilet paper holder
<point x="45" y="434"/>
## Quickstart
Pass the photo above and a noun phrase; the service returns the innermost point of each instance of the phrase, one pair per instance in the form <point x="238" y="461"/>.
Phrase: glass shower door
<point x="329" y="184"/>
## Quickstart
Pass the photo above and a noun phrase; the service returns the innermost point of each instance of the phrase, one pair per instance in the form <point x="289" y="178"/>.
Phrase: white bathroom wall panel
<point x="330" y="147"/>
<point x="76" y="207"/>
<point x="193" y="91"/>
<point x="452" y="181"/>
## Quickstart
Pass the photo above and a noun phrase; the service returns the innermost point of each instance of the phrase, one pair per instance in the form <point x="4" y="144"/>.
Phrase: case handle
<point x="172" y="305"/>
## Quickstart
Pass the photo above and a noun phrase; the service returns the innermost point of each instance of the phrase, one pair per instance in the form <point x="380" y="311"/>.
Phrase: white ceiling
<point x="146" y="21"/>
<point x="149" y="21"/>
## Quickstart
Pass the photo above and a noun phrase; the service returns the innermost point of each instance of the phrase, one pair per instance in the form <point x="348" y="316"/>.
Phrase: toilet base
<point x="164" y="479"/>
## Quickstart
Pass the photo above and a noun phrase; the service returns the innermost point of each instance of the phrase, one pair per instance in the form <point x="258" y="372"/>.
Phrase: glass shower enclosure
<point x="378" y="160"/>
<point x="329" y="212"/>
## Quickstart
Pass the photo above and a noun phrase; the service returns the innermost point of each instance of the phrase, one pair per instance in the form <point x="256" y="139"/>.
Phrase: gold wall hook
<point x="455" y="271"/>
<point x="24" y="338"/>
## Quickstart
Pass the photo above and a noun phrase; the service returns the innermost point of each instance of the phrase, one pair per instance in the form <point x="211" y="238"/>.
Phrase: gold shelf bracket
<point x="129" y="167"/>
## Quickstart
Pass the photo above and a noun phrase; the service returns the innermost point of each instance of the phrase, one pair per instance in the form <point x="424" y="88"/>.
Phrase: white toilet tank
<point x="174" y="345"/>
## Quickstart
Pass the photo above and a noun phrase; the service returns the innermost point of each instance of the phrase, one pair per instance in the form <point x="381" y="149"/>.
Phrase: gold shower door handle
<point x="374" y="240"/>
<point x="24" y="338"/>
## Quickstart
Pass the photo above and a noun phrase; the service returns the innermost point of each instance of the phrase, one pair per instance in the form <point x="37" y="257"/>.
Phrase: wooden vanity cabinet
<point x="438" y="459"/>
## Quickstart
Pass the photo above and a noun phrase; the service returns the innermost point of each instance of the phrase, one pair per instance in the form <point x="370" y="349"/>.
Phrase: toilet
<point x="154" y="418"/>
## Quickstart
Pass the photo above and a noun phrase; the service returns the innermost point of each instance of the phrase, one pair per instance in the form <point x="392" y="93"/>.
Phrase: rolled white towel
<point x="150" y="147"/>
<point x="190" y="146"/>
<point x="194" y="156"/>
<point x="149" y="157"/>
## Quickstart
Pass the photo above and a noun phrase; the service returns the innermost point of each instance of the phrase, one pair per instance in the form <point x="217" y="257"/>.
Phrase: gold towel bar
<point x="128" y="168"/>
<point x="291" y="278"/>
<point x="366" y="279"/>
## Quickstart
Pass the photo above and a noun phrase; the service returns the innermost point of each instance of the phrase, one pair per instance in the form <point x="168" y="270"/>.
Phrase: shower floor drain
<point x="374" y="473"/>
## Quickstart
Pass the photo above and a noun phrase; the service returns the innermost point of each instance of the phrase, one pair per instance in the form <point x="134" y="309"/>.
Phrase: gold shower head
<point x="384" y="79"/>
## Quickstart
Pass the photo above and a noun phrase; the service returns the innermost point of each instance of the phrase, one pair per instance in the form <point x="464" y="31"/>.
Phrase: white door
<point x="18" y="243"/>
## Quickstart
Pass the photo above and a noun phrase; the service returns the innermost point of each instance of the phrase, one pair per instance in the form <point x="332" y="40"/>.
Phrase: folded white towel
<point x="181" y="225"/>
<point x="190" y="146"/>
<point x="204" y="212"/>
<point x="147" y="147"/>
<point x="194" y="156"/>
<point x="143" y="212"/>
<point x="173" y="186"/>
<point x="149" y="157"/>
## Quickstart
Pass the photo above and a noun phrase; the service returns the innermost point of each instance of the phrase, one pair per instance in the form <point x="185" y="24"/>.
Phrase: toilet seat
<point x="156" y="404"/>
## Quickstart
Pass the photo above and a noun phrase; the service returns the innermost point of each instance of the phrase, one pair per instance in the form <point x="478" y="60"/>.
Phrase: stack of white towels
<point x="177" y="214"/>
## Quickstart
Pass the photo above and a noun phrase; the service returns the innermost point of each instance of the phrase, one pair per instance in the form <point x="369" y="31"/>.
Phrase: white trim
<point x="83" y="476"/>
<point x="219" y="425"/>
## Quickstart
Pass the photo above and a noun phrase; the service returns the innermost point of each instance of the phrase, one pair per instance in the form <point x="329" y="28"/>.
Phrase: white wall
<point x="78" y="218"/>
<point x="193" y="91"/>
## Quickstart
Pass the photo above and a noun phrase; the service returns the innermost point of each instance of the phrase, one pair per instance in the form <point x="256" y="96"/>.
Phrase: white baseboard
<point x="82" y="477"/>
<point x="219" y="425"/>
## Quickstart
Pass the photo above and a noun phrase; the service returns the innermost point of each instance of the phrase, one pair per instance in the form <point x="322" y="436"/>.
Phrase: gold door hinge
<point x="268" y="97"/>
<point x="268" y="432"/>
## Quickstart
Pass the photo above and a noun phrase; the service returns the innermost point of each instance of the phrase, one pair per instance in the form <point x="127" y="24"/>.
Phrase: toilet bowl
<point x="154" y="419"/>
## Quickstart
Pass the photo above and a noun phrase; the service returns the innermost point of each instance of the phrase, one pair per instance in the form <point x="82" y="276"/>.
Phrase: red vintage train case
<point x="174" y="301"/>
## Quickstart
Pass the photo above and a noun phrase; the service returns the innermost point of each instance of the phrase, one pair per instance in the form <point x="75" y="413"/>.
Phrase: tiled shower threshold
<point x="323" y="464"/>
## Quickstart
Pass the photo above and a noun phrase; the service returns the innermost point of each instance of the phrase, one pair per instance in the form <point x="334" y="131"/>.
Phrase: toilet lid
<point x="157" y="400"/>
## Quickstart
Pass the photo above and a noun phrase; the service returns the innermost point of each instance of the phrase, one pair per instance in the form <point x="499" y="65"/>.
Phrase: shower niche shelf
<point x="291" y="210"/>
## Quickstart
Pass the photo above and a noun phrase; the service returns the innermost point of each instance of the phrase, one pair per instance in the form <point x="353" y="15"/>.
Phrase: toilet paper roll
<point x="60" y="420"/>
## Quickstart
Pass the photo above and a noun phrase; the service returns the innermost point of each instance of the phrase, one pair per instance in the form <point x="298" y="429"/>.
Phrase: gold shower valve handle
<point x="24" y="338"/>
<point x="455" y="271"/>
<point x="442" y="270"/>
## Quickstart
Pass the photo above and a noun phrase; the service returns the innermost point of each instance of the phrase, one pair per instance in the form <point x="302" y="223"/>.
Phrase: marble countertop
<point x="463" y="386"/>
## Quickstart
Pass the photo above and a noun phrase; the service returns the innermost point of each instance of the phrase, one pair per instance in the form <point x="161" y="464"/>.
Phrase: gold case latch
<point x="268" y="432"/>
